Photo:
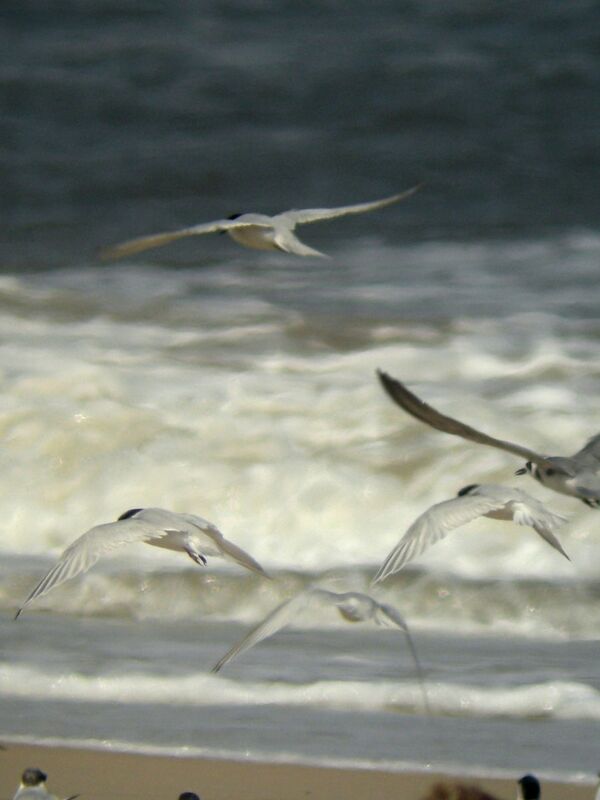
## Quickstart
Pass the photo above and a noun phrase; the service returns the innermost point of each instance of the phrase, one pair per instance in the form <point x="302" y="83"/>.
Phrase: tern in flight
<point x="184" y="533"/>
<point x="485" y="500"/>
<point x="577" y="475"/>
<point x="352" y="606"/>
<point x="257" y="231"/>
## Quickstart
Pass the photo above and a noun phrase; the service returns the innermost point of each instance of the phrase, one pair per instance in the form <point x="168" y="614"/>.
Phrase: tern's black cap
<point x="188" y="796"/>
<point x="33" y="777"/>
<point x="467" y="489"/>
<point x="131" y="513"/>
<point x="530" y="787"/>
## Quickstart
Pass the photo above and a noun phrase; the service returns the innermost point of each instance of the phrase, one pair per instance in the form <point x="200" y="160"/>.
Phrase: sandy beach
<point x="103" y="774"/>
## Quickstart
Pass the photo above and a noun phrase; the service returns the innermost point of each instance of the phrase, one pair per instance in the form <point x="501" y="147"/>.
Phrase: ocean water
<point x="241" y="385"/>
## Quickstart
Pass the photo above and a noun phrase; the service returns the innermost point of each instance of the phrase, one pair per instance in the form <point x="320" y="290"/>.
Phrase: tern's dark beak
<point x="521" y="471"/>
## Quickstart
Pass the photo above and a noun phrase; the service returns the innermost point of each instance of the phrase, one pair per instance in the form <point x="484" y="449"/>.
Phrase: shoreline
<point x="109" y="773"/>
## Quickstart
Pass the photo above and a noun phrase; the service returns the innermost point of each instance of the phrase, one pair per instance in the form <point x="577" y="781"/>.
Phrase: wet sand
<point x="103" y="774"/>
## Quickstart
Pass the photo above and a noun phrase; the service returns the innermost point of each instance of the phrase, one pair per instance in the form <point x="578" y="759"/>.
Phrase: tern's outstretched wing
<point x="590" y="452"/>
<point x="417" y="408"/>
<point x="85" y="551"/>
<point x="274" y="622"/>
<point x="384" y="615"/>
<point x="227" y="549"/>
<point x="527" y="510"/>
<point x="305" y="215"/>
<point x="433" y="525"/>
<point x="132" y="246"/>
<point x="232" y="552"/>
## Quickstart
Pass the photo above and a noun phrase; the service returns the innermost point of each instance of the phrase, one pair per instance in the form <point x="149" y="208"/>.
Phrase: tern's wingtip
<point x="409" y="192"/>
<point x="386" y="380"/>
<point x="258" y="570"/>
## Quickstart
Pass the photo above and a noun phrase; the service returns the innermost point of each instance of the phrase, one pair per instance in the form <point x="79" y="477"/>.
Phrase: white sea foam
<point x="551" y="700"/>
<point x="171" y="388"/>
<point x="249" y="396"/>
<point x="432" y="600"/>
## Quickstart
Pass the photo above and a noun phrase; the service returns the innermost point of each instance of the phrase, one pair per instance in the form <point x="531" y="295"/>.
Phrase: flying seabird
<point x="257" y="231"/>
<point x="352" y="606"/>
<point x="184" y="533"/>
<point x="577" y="475"/>
<point x="473" y="501"/>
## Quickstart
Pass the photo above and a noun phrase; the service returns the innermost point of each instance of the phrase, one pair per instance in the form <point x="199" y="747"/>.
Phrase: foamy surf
<point x="549" y="700"/>
<point x="249" y="396"/>
<point x="217" y="393"/>
<point x="433" y="600"/>
<point x="268" y="425"/>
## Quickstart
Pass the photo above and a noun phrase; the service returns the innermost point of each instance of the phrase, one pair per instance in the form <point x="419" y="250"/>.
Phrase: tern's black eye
<point x="550" y="471"/>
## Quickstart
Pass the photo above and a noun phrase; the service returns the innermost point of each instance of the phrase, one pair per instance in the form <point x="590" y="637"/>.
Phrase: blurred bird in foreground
<point x="33" y="786"/>
<point x="352" y="606"/>
<point x="528" y="788"/>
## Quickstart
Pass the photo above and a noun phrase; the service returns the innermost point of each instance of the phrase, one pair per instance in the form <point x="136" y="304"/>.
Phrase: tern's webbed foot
<point x="197" y="558"/>
<point x="591" y="503"/>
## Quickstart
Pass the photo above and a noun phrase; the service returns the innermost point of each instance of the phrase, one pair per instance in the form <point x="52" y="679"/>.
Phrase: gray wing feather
<point x="232" y="552"/>
<point x="199" y="522"/>
<point x="274" y="622"/>
<point x="420" y="410"/>
<point x="227" y="549"/>
<point x="531" y="513"/>
<point x="305" y="215"/>
<point x="588" y="485"/>
<point x="85" y="551"/>
<point x="160" y="239"/>
<point x="587" y="463"/>
<point x="432" y="526"/>
<point x="591" y="448"/>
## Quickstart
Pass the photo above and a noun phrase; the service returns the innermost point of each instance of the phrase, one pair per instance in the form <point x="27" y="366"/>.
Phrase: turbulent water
<point x="241" y="385"/>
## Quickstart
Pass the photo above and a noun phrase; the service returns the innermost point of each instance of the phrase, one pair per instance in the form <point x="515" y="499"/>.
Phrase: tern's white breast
<point x="258" y="238"/>
<point x="501" y="513"/>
